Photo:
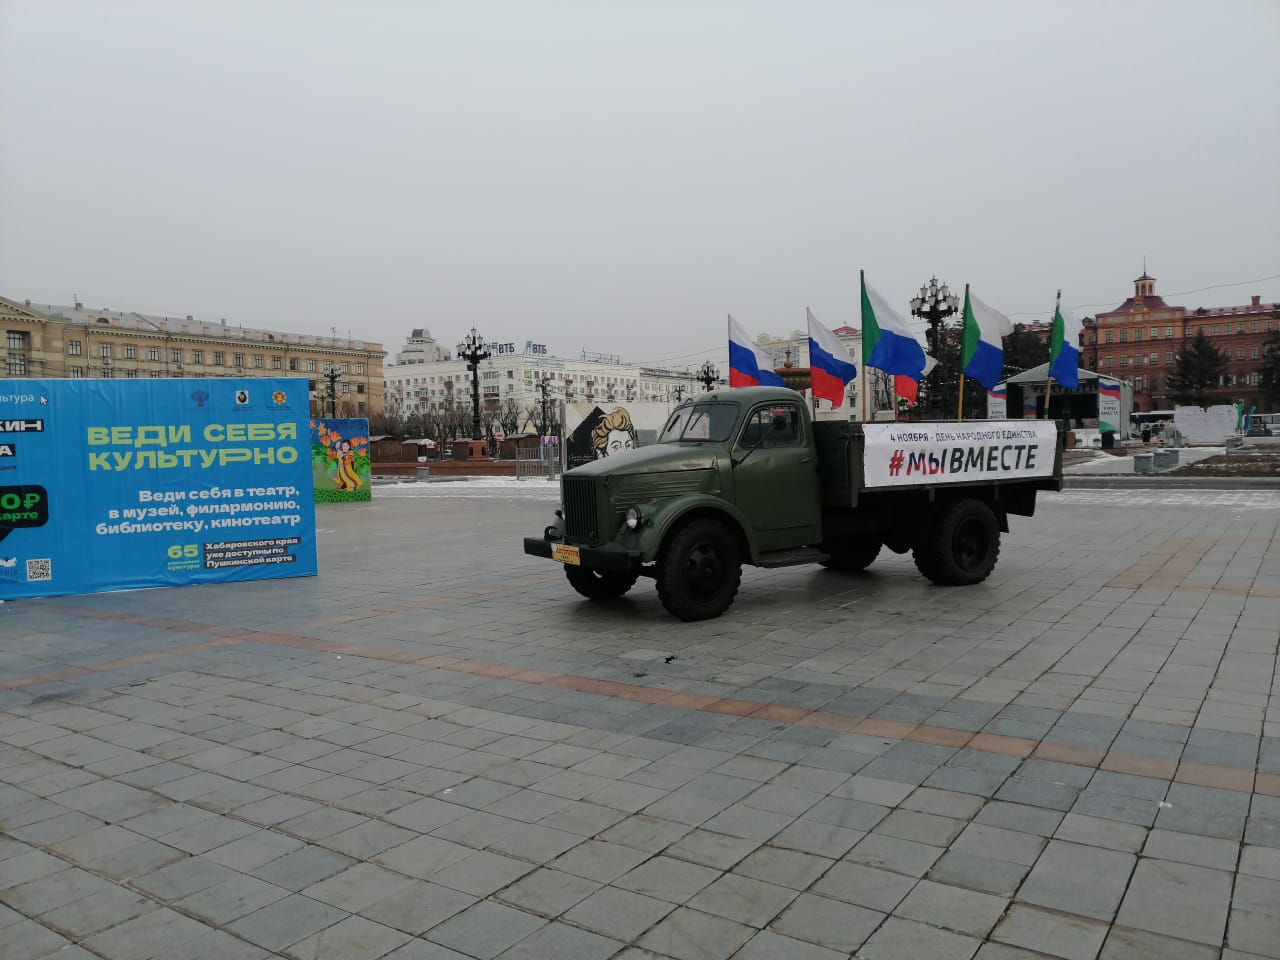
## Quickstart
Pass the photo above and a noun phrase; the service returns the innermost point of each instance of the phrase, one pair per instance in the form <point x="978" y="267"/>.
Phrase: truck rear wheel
<point x="699" y="570"/>
<point x="600" y="584"/>
<point x="961" y="546"/>
<point x="852" y="555"/>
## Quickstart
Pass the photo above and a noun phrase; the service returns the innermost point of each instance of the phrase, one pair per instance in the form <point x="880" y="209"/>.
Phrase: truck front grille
<point x="581" y="515"/>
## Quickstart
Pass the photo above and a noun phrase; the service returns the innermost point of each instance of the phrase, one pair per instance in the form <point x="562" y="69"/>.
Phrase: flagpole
<point x="1048" y="383"/>
<point x="960" y="404"/>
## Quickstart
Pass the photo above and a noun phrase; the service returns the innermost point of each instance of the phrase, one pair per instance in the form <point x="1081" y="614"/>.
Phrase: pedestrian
<point x="1146" y="435"/>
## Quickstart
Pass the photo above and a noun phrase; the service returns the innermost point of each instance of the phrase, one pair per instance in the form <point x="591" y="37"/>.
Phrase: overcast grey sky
<point x="618" y="176"/>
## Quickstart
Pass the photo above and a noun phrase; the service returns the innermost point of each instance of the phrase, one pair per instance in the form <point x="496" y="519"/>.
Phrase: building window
<point x="1213" y="330"/>
<point x="1168" y="333"/>
<point x="104" y="351"/>
<point x="1155" y="358"/>
<point x="1108" y="336"/>
<point x="1266" y="325"/>
<point x="311" y="366"/>
<point x="1253" y="327"/>
<point x="155" y="374"/>
<point x="1155" y="383"/>
<point x="277" y="363"/>
<point x="75" y="372"/>
<point x="1239" y="353"/>
<point x="1240" y="327"/>
<point x="175" y="354"/>
<point x="17" y="340"/>
<point x="197" y="356"/>
<point x="153" y="353"/>
<point x="1124" y="360"/>
<point x="1253" y="353"/>
<point x="1255" y="378"/>
<point x="219" y="358"/>
<point x="293" y="364"/>
<point x="73" y="348"/>
<point x="106" y="373"/>
<point x="237" y="359"/>
<point x="1137" y="335"/>
<point x="1168" y="358"/>
<point x="1106" y="361"/>
<point x="17" y="365"/>
<point x="1137" y="383"/>
<point x="1155" y="333"/>
<point x="360" y="407"/>
<point x="1093" y="338"/>
<point x="257" y="360"/>
<point x="359" y="368"/>
<point x="131" y="374"/>
<point x="346" y="388"/>
<point x="130" y="351"/>
<point x="359" y="388"/>
<point x="1124" y="336"/>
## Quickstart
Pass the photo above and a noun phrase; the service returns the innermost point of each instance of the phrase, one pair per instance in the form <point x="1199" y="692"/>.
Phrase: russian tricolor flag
<point x="831" y="368"/>
<point x="748" y="365"/>
<point x="998" y="392"/>
<point x="1109" y="388"/>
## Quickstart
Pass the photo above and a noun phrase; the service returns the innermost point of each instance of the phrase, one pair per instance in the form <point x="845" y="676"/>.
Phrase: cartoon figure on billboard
<point x="340" y="460"/>
<point x="600" y="435"/>
<point x="613" y="434"/>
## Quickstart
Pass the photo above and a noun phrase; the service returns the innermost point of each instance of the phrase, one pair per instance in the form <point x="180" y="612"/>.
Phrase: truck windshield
<point x="712" y="422"/>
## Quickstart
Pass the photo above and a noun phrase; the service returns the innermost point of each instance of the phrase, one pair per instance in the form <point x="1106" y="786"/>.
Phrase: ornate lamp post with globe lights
<point x="935" y="304"/>
<point x="708" y="375"/>
<point x="473" y="350"/>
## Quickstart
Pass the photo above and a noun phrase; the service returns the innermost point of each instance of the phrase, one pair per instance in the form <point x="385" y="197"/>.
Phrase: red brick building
<point x="1138" y="341"/>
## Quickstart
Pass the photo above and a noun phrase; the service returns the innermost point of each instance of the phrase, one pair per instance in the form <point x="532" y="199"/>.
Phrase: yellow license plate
<point x="565" y="554"/>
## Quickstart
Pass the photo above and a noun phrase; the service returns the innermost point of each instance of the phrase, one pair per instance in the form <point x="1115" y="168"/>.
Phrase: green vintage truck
<point x="746" y="475"/>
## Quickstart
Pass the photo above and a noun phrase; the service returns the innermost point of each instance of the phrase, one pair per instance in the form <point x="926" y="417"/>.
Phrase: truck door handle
<point x="806" y="459"/>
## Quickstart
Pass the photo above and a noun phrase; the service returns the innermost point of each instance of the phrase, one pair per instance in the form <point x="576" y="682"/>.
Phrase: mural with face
<point x="613" y="434"/>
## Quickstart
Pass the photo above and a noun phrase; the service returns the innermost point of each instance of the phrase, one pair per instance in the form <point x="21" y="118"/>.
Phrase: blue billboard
<point x="121" y="484"/>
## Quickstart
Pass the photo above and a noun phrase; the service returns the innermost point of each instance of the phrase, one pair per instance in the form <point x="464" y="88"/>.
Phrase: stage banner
<point x="1109" y="404"/>
<point x="340" y="460"/>
<point x="123" y="484"/>
<point x="909" y="454"/>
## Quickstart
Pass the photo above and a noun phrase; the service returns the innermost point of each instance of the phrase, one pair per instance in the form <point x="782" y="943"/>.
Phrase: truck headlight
<point x="634" y="518"/>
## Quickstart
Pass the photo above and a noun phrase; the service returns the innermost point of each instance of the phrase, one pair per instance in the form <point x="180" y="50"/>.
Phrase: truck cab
<point x="744" y="475"/>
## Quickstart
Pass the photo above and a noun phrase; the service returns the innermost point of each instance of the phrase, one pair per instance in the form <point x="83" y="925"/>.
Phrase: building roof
<point x="1241" y="311"/>
<point x="1152" y="302"/>
<point x="155" y="323"/>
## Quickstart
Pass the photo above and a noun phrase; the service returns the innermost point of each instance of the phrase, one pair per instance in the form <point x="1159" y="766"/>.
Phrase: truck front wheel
<point x="600" y="584"/>
<point x="699" y="570"/>
<point x="961" y="546"/>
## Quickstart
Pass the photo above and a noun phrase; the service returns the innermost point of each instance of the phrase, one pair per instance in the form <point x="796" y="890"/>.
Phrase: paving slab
<point x="1074" y="759"/>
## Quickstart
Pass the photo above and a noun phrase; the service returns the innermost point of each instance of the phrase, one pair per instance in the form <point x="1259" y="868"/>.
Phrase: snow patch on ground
<point x="1180" y="498"/>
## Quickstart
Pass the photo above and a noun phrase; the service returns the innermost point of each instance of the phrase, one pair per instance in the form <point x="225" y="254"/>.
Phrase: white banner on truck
<point x="910" y="454"/>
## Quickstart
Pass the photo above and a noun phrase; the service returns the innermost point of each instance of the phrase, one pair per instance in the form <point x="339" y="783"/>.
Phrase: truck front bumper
<point x="595" y="558"/>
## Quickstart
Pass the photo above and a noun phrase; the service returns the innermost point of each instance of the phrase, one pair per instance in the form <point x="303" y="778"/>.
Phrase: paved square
<point x="436" y="749"/>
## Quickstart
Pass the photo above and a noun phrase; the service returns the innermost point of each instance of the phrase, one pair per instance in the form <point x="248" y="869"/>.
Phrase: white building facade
<point x="427" y="377"/>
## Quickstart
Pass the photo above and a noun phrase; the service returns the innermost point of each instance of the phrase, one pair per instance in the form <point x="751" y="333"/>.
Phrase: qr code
<point x="39" y="570"/>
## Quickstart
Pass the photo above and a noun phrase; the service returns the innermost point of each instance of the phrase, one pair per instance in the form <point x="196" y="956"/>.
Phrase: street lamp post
<point x="544" y="387"/>
<point x="331" y="374"/>
<point x="935" y="304"/>
<point x="473" y="349"/>
<point x="708" y="375"/>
